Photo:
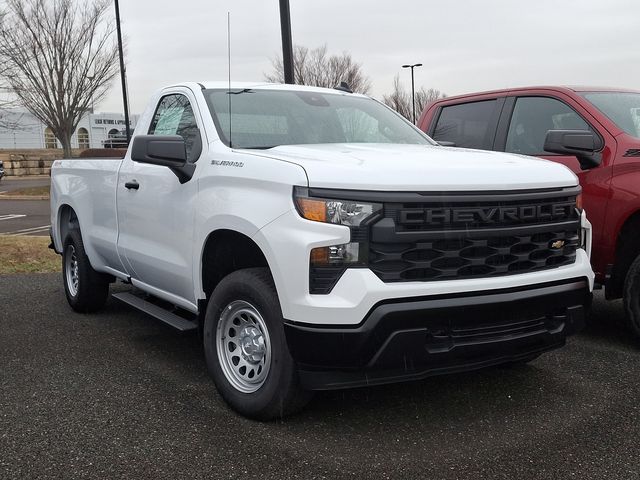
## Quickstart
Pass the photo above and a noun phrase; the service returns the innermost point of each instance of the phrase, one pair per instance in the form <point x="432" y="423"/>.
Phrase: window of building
<point x="83" y="138"/>
<point x="49" y="139"/>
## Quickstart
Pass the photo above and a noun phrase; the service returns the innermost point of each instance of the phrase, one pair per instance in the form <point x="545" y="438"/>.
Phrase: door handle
<point x="133" y="184"/>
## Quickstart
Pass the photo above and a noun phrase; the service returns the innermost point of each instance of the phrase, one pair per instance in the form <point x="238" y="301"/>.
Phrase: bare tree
<point x="315" y="67"/>
<point x="400" y="99"/>
<point x="59" y="56"/>
<point x="7" y="102"/>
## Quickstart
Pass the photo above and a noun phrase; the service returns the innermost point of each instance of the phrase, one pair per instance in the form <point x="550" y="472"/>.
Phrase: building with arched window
<point x="50" y="139"/>
<point x="19" y="129"/>
<point x="83" y="138"/>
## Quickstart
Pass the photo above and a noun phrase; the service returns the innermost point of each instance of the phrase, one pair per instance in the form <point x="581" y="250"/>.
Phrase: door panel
<point x="156" y="220"/>
<point x="156" y="224"/>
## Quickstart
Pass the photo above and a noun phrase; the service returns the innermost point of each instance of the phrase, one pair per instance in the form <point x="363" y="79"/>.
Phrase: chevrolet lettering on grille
<point x="486" y="215"/>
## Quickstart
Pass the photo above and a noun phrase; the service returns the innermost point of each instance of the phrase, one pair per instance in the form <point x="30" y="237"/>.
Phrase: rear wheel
<point x="86" y="289"/>
<point x="246" y="349"/>
<point x="631" y="297"/>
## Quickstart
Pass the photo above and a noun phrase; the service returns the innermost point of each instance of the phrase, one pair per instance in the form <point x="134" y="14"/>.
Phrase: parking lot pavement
<point x="9" y="184"/>
<point x="24" y="217"/>
<point x="117" y="395"/>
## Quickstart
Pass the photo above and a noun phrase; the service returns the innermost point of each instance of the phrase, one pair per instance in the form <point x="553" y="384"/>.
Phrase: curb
<point x="24" y="197"/>
<point x="5" y="236"/>
<point x="25" y="177"/>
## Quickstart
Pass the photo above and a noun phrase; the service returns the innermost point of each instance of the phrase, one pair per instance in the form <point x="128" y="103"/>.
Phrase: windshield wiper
<point x="260" y="147"/>
<point x="246" y="90"/>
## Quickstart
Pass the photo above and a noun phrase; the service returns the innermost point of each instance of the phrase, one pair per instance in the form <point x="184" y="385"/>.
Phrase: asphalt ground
<point x="119" y="395"/>
<point x="9" y="184"/>
<point x="24" y="217"/>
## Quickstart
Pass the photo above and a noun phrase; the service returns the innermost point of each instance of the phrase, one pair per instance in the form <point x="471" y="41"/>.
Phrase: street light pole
<point x="287" y="45"/>
<point x="413" y="91"/>
<point x="123" y="75"/>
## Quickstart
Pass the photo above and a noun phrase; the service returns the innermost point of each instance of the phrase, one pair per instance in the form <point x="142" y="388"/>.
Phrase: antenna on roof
<point x="229" y="69"/>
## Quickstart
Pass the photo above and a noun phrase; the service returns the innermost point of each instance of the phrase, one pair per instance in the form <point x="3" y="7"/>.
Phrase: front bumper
<point x="288" y="241"/>
<point x="413" y="338"/>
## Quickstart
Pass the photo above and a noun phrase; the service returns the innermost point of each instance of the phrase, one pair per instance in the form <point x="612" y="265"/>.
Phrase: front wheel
<point x="86" y="289"/>
<point x="631" y="297"/>
<point x="246" y="349"/>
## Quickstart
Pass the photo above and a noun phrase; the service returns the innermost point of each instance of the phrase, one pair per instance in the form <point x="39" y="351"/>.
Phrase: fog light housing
<point x="345" y="254"/>
<point x="327" y="264"/>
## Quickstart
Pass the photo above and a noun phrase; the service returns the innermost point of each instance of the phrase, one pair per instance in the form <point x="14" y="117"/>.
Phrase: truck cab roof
<point x="255" y="86"/>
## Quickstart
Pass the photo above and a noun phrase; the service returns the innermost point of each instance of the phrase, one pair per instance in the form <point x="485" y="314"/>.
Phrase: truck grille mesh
<point x="480" y="237"/>
<point x="468" y="258"/>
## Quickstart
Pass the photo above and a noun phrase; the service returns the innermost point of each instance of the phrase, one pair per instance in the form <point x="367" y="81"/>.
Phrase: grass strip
<point x="27" y="255"/>
<point x="29" y="192"/>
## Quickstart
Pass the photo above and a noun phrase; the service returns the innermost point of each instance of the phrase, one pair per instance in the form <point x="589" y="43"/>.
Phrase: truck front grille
<point x="461" y="235"/>
<point x="475" y="235"/>
<point x="465" y="257"/>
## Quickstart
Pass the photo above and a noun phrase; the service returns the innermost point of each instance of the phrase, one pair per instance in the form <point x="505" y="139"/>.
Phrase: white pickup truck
<point x="317" y="240"/>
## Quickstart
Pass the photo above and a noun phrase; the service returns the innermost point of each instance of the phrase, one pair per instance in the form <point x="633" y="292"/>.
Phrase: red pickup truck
<point x="593" y="131"/>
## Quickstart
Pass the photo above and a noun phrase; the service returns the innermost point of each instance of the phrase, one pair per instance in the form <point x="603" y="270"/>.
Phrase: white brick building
<point x="19" y="129"/>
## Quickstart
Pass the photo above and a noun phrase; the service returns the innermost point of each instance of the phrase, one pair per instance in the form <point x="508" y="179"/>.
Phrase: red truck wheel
<point x="631" y="297"/>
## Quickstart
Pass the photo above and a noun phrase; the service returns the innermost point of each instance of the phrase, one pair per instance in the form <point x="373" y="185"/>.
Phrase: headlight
<point x="328" y="263"/>
<point x="341" y="212"/>
<point x="579" y="202"/>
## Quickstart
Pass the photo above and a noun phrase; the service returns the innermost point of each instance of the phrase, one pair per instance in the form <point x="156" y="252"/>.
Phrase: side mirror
<point x="164" y="150"/>
<point x="581" y="143"/>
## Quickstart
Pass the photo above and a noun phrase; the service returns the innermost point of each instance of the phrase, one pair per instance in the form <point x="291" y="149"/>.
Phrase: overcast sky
<point x="465" y="46"/>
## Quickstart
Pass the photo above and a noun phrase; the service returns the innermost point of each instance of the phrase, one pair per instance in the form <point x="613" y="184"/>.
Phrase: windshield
<point x="269" y="118"/>
<point x="623" y="108"/>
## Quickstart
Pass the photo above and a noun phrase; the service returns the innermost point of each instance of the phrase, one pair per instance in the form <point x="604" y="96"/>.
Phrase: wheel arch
<point x="627" y="249"/>
<point x="225" y="251"/>
<point x="67" y="219"/>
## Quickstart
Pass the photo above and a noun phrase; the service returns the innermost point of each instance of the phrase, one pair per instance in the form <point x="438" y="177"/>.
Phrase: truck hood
<point x="420" y="168"/>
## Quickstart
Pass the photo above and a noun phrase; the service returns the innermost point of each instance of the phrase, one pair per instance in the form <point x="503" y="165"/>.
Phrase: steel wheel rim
<point x="243" y="346"/>
<point x="71" y="270"/>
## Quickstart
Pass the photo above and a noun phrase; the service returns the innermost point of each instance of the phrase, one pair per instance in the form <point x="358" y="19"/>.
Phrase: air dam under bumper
<point x="409" y="339"/>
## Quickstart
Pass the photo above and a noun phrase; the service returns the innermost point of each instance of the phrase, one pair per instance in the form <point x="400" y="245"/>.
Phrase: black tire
<point x="91" y="290"/>
<point x="631" y="297"/>
<point x="279" y="394"/>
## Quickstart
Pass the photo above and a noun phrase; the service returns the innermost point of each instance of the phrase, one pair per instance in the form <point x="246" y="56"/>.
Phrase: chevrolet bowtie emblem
<point x="557" y="244"/>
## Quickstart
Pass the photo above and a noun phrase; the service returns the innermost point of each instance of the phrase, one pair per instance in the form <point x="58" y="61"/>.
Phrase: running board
<point x="171" y="319"/>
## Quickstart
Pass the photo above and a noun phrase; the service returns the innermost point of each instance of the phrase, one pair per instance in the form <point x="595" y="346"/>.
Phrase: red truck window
<point x="468" y="125"/>
<point x="533" y="117"/>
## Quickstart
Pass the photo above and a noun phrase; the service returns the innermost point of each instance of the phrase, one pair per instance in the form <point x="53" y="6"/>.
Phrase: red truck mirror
<point x="584" y="144"/>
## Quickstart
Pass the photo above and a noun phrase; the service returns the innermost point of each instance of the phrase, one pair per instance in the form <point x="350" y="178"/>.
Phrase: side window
<point x="533" y="117"/>
<point x="467" y="125"/>
<point x="174" y="116"/>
